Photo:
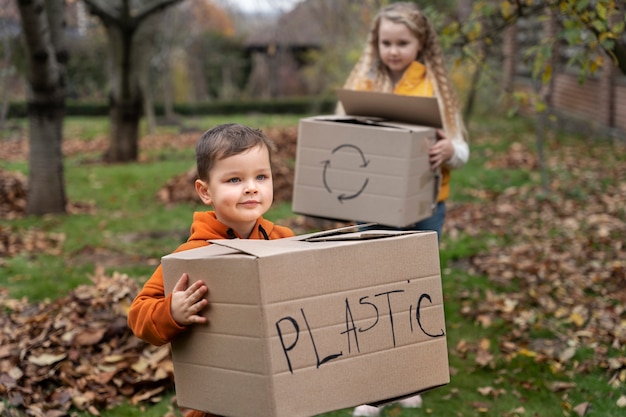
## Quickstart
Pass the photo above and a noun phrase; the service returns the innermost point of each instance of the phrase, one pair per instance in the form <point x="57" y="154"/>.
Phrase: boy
<point x="235" y="177"/>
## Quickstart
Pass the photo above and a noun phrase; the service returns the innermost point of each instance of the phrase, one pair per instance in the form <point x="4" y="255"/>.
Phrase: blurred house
<point x="280" y="51"/>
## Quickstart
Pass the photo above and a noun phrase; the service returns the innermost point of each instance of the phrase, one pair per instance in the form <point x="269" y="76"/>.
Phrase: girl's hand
<point x="441" y="151"/>
<point x="187" y="303"/>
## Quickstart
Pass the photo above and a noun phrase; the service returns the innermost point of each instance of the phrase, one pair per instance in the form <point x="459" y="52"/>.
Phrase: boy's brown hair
<point x="227" y="140"/>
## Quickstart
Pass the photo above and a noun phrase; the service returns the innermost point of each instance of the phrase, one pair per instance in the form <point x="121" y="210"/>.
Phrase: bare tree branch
<point x="120" y="14"/>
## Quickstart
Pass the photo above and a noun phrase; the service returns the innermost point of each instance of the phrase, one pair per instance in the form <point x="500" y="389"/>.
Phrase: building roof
<point x="310" y="24"/>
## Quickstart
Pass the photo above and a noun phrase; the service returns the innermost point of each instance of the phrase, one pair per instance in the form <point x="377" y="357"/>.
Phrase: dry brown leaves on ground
<point x="17" y="147"/>
<point x="557" y="263"/>
<point x="29" y="241"/>
<point x="78" y="352"/>
<point x="13" y="187"/>
<point x="565" y="255"/>
<point x="12" y="205"/>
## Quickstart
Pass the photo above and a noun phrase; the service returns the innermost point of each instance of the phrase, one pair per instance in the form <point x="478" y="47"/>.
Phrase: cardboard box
<point x="363" y="168"/>
<point x="307" y="325"/>
<point x="416" y="110"/>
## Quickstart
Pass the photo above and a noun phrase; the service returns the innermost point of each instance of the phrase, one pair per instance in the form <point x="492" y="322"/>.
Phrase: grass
<point x="128" y="221"/>
<point x="127" y="214"/>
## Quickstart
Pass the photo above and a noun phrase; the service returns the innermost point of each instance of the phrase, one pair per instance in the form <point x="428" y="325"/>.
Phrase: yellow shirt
<point x="415" y="83"/>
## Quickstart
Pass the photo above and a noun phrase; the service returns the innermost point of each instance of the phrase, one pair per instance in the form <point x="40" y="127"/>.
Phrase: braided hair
<point x="370" y="66"/>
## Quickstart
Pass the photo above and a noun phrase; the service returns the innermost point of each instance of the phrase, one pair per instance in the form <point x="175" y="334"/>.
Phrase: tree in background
<point x="214" y="54"/>
<point x="124" y="22"/>
<point x="335" y="32"/>
<point x="184" y="38"/>
<point x="6" y="58"/>
<point x="43" y="24"/>
<point x="592" y="32"/>
<point x="87" y="77"/>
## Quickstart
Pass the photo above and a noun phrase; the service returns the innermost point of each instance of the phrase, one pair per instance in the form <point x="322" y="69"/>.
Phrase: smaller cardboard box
<point x="358" y="167"/>
<point x="311" y="324"/>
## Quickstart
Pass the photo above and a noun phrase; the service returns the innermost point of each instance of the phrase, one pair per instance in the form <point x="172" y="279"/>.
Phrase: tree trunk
<point x="126" y="97"/>
<point x="482" y="53"/>
<point x="124" y="140"/>
<point x="43" y="24"/>
<point x="545" y="92"/>
<point x="123" y="20"/>
<point x="168" y="91"/>
<point x="549" y="29"/>
<point x="46" y="184"/>
<point x="148" y="104"/>
<point x="473" y="91"/>
<point x="4" y="73"/>
<point x="509" y="63"/>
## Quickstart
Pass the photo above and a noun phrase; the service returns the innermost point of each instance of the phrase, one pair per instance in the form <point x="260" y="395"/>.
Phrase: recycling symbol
<point x="328" y="172"/>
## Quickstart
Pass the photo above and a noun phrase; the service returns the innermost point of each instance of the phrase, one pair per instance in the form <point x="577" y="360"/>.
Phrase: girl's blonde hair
<point x="369" y="66"/>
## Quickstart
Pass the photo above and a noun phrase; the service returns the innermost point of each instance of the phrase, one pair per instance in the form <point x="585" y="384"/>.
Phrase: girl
<point x="402" y="56"/>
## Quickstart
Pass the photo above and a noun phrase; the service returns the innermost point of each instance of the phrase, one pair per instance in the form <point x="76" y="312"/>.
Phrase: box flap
<point x="257" y="248"/>
<point x="263" y="248"/>
<point x="333" y="232"/>
<point x="410" y="109"/>
<point x="364" y="235"/>
<point x="370" y="121"/>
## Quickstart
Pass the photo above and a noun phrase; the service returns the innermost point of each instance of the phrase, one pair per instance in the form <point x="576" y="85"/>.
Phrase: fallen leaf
<point x="88" y="337"/>
<point x="113" y="358"/>
<point x="561" y="386"/>
<point x="16" y="373"/>
<point x="5" y="351"/>
<point x="567" y="354"/>
<point x="136" y="399"/>
<point x="526" y="352"/>
<point x="484" y="357"/>
<point x="485" y="320"/>
<point x="103" y="378"/>
<point x="481" y="407"/>
<point x="581" y="409"/>
<point x="577" y="319"/>
<point x="46" y="359"/>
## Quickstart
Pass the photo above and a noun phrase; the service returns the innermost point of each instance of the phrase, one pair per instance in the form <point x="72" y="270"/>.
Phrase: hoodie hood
<point x="205" y="227"/>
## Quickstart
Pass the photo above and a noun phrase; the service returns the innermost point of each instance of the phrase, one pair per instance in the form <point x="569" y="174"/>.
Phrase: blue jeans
<point x="434" y="222"/>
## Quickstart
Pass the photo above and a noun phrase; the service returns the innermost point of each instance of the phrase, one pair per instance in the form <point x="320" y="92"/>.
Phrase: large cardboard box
<point x="358" y="167"/>
<point x="306" y="325"/>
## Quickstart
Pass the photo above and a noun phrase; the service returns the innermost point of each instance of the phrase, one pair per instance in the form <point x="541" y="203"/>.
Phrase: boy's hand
<point x="187" y="303"/>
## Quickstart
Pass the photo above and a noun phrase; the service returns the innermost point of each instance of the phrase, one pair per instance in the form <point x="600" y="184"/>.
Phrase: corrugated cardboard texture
<point x="298" y="328"/>
<point x="362" y="171"/>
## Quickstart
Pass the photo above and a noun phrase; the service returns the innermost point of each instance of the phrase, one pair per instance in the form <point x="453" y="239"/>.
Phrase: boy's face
<point x="240" y="188"/>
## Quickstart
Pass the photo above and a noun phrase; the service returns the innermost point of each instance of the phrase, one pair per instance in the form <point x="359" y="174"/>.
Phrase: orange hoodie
<point x="150" y="317"/>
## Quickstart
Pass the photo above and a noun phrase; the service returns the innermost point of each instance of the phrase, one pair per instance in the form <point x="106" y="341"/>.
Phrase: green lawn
<point x="126" y="225"/>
